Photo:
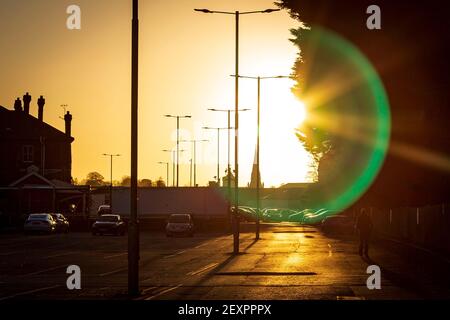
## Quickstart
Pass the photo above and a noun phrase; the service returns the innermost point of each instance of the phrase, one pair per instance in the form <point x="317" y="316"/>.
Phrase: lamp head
<point x="203" y="10"/>
<point x="270" y="10"/>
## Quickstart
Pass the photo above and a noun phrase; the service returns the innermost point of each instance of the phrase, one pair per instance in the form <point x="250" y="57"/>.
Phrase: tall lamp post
<point x="173" y="152"/>
<point x="133" y="224"/>
<point x="178" y="141"/>
<point x="237" y="14"/>
<point x="194" y="156"/>
<point x="258" y="175"/>
<point x="228" y="111"/>
<point x="111" y="175"/>
<point x="218" y="149"/>
<point x="167" y="171"/>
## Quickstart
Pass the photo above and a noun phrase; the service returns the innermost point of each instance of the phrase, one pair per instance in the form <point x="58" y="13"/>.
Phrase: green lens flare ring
<point x="365" y="101"/>
<point x="330" y="40"/>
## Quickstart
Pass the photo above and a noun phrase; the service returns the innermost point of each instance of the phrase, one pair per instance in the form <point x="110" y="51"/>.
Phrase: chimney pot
<point x="41" y="103"/>
<point x="26" y="103"/>
<point x="68" y="120"/>
<point x="18" y="105"/>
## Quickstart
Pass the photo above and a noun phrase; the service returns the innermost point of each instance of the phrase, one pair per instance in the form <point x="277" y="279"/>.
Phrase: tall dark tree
<point x="94" y="179"/>
<point x="410" y="54"/>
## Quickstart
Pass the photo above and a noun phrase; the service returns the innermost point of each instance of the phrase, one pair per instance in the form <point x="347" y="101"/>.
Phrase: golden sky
<point x="185" y="62"/>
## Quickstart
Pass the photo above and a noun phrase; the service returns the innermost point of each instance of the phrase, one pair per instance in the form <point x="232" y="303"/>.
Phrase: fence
<point x="424" y="226"/>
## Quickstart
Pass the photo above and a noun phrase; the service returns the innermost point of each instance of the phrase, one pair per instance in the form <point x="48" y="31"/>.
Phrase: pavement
<point x="289" y="262"/>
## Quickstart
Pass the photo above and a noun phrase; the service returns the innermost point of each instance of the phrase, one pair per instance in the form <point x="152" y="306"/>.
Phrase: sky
<point x="186" y="59"/>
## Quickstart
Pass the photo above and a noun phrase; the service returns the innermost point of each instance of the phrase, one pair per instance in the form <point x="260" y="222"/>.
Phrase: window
<point x="28" y="154"/>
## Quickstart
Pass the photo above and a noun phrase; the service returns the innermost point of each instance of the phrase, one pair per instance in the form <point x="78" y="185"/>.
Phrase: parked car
<point x="180" y="224"/>
<point x="318" y="216"/>
<point x="104" y="209"/>
<point x="247" y="213"/>
<point x="40" y="222"/>
<point x="338" y="225"/>
<point x="109" y="224"/>
<point x="62" y="224"/>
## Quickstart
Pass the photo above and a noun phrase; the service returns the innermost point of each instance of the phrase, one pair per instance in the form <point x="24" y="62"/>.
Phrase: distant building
<point x="29" y="144"/>
<point x="254" y="175"/>
<point x="213" y="184"/>
<point x="297" y="185"/>
<point x="225" y="180"/>
<point x="36" y="165"/>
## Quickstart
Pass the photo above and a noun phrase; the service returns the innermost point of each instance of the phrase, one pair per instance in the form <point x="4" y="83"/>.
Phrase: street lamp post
<point x="173" y="152"/>
<point x="190" y="172"/>
<point x="194" y="156"/>
<point x="178" y="142"/>
<point x="218" y="149"/>
<point x="236" y="122"/>
<point x="228" y="111"/>
<point x="258" y="175"/>
<point x="111" y="175"/>
<point x="133" y="225"/>
<point x="167" y="172"/>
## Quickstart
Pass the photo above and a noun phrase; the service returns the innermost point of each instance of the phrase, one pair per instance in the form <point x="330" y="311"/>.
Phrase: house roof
<point x="19" y="125"/>
<point x="32" y="177"/>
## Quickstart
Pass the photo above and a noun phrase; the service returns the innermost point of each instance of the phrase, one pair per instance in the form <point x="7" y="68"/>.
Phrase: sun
<point x="284" y="109"/>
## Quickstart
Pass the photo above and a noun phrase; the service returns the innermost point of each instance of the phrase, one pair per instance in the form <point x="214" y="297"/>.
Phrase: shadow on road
<point x="400" y="279"/>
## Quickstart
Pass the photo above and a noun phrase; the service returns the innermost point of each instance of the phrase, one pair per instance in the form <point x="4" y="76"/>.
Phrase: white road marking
<point x="45" y="270"/>
<point x="201" y="270"/>
<point x="148" y="289"/>
<point x="201" y="245"/>
<point x="163" y="292"/>
<point x="61" y="254"/>
<point x="175" y="254"/>
<point x="349" y="298"/>
<point x="112" y="272"/>
<point x="29" y="292"/>
<point x="116" y="255"/>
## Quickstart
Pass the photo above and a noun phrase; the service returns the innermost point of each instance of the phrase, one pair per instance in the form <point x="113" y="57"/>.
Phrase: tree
<point x="94" y="179"/>
<point x="315" y="137"/>
<point x="416" y="88"/>
<point x="145" y="183"/>
<point x="317" y="143"/>
<point x="126" y="181"/>
<point x="160" y="183"/>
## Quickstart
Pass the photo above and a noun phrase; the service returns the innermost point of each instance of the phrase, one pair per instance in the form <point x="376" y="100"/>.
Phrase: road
<point x="289" y="262"/>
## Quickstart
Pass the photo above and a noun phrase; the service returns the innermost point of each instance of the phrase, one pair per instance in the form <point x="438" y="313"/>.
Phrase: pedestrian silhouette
<point x="364" y="226"/>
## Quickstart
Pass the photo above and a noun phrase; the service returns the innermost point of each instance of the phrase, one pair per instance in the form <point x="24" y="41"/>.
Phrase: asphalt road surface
<point x="289" y="262"/>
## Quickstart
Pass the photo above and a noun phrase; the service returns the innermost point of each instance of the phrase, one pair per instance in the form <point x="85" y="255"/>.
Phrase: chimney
<point x="68" y="120"/>
<point x="18" y="105"/>
<point x="41" y="103"/>
<point x="26" y="103"/>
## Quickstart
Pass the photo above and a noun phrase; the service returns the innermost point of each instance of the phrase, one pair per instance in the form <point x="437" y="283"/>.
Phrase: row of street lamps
<point x="133" y="235"/>
<point x="237" y="15"/>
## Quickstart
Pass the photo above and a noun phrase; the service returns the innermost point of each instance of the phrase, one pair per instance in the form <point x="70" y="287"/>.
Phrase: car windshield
<point x="108" y="219"/>
<point x="38" y="217"/>
<point x="179" y="218"/>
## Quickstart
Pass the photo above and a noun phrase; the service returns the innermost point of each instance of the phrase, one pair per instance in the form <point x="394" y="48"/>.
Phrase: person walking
<point x="364" y="226"/>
